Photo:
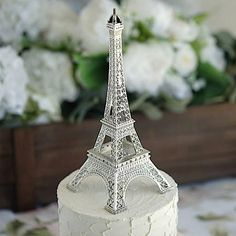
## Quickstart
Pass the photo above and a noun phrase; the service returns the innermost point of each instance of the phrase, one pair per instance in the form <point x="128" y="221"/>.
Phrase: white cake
<point x="149" y="212"/>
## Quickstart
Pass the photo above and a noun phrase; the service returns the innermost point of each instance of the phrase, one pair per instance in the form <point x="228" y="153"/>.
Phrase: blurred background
<point x="180" y="71"/>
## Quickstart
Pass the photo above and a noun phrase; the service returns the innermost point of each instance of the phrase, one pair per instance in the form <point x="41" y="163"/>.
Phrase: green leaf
<point x="150" y="110"/>
<point x="227" y="42"/>
<point x="135" y="105"/>
<point x="83" y="108"/>
<point x="143" y="31"/>
<point x="118" y="1"/>
<point x="197" y="46"/>
<point x="92" y="70"/>
<point x="212" y="74"/>
<point x="38" y="232"/>
<point x="175" y="105"/>
<point x="213" y="217"/>
<point x="232" y="96"/>
<point x="89" y="102"/>
<point x="13" y="227"/>
<point x="219" y="232"/>
<point x="66" y="46"/>
<point x="218" y="85"/>
<point x="31" y="111"/>
<point x="200" y="18"/>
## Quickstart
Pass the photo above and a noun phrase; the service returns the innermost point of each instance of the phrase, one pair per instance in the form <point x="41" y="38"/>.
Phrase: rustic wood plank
<point x="6" y="143"/>
<point x="197" y="145"/>
<point x="7" y="174"/>
<point x="7" y="196"/>
<point x="60" y="133"/>
<point x="6" y="157"/>
<point x="25" y="169"/>
<point x="64" y="145"/>
<point x="47" y="193"/>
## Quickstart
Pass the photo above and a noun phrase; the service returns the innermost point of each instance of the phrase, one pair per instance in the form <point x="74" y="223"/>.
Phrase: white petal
<point x="146" y="65"/>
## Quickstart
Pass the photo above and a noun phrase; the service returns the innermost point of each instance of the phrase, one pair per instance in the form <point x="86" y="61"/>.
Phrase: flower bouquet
<point x="54" y="60"/>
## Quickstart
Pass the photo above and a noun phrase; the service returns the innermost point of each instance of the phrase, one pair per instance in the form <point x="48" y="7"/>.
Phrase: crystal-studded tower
<point x="118" y="156"/>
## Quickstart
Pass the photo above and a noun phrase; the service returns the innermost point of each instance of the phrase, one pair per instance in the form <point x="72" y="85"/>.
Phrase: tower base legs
<point x="118" y="178"/>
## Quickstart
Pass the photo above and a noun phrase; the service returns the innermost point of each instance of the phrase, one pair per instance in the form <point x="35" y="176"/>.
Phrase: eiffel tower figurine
<point x="118" y="156"/>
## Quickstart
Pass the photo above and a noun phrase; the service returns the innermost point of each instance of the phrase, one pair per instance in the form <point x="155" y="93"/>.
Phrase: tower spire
<point x="118" y="155"/>
<point x="117" y="107"/>
<point x="114" y="19"/>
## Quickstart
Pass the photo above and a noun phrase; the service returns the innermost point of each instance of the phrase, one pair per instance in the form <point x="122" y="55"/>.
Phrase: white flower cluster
<point x="179" y="35"/>
<point x="160" y="13"/>
<point x="161" y="65"/>
<point x="146" y="66"/>
<point x="52" y="20"/>
<point x="44" y="76"/>
<point x="50" y="83"/>
<point x="148" y="69"/>
<point x="92" y="20"/>
<point x="18" y="17"/>
<point x="61" y="23"/>
<point x="49" y="74"/>
<point x="212" y="54"/>
<point x="152" y="67"/>
<point x="185" y="61"/>
<point x="13" y="81"/>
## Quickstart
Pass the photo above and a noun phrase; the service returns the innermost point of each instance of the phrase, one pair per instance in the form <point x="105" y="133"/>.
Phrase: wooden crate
<point x="197" y="145"/>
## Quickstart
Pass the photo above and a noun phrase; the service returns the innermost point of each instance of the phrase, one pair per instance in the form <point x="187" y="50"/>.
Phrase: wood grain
<point x="6" y="157"/>
<point x="25" y="168"/>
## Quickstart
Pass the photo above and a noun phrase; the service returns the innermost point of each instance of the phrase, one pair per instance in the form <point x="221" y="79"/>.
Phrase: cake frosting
<point x="149" y="212"/>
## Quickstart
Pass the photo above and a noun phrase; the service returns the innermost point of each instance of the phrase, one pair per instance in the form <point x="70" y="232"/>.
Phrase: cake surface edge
<point x="149" y="212"/>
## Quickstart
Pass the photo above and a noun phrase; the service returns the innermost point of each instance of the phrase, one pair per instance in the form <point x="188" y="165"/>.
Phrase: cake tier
<point x="149" y="212"/>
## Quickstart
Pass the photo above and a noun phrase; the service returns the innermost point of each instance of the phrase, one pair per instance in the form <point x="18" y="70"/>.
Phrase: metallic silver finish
<point x="121" y="158"/>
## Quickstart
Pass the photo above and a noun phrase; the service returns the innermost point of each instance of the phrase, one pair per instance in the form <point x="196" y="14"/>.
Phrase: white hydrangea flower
<point x="213" y="54"/>
<point x="92" y="20"/>
<point x="161" y="13"/>
<point x="145" y="66"/>
<point x="185" y="61"/>
<point x="175" y="86"/>
<point x="51" y="80"/>
<point x="13" y="81"/>
<point x="60" y="22"/>
<point x="181" y="30"/>
<point x="198" y="84"/>
<point x="18" y="17"/>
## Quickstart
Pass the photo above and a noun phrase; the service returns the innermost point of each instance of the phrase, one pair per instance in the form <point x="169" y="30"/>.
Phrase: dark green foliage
<point x="143" y="31"/>
<point x="89" y="104"/>
<point x="227" y="42"/>
<point x="118" y="1"/>
<point x="38" y="232"/>
<point x="13" y="227"/>
<point x="92" y="71"/>
<point x="200" y="18"/>
<point x="217" y="88"/>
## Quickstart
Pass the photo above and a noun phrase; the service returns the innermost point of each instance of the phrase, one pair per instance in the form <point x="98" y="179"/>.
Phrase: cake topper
<point x="118" y="156"/>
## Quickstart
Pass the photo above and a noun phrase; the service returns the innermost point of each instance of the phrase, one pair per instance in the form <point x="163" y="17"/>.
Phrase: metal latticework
<point x="121" y="158"/>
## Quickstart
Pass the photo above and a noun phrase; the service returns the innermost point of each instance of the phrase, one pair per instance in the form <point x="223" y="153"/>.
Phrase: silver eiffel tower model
<point x="118" y="156"/>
